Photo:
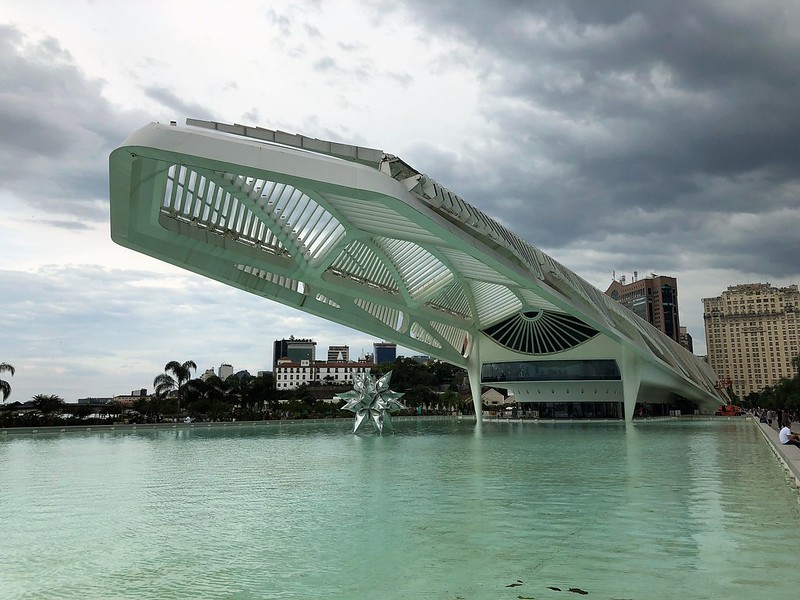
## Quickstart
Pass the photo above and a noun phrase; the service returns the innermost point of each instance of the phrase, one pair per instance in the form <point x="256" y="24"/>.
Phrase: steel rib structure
<point x="356" y="236"/>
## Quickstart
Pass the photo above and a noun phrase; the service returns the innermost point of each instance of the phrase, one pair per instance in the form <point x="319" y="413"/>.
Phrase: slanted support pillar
<point x="631" y="381"/>
<point x="474" y="373"/>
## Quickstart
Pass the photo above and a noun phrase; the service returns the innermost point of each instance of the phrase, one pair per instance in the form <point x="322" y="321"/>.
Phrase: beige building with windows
<point x="291" y="375"/>
<point x="752" y="335"/>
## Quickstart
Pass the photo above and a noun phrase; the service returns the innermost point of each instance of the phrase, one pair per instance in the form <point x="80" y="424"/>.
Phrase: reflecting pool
<point x="673" y="509"/>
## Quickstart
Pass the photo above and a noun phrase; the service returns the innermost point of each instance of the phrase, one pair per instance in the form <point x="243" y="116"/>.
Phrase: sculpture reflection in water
<point x="372" y="401"/>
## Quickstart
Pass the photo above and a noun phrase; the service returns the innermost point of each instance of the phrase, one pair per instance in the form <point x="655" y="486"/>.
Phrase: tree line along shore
<point x="428" y="388"/>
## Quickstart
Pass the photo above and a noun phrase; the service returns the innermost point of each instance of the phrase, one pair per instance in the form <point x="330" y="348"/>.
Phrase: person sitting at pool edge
<point x="787" y="436"/>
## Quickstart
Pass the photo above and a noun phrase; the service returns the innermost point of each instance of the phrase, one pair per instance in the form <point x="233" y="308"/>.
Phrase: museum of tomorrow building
<point x="357" y="236"/>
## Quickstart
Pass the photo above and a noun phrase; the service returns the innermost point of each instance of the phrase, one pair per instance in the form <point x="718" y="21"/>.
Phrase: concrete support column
<point x="631" y="380"/>
<point x="474" y="373"/>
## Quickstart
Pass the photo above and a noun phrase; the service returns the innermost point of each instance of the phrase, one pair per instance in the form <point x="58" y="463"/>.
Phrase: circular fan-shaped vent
<point x="540" y="332"/>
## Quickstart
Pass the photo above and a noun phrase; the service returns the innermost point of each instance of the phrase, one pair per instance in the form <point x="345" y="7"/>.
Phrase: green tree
<point x="406" y="374"/>
<point x="174" y="379"/>
<point x="114" y="409"/>
<point x="239" y="391"/>
<point x="81" y="411"/>
<point x="5" y="387"/>
<point x="252" y="394"/>
<point x="446" y="375"/>
<point x="212" y="398"/>
<point x="450" y="400"/>
<point x="143" y="406"/>
<point x="262" y="389"/>
<point x="48" y="403"/>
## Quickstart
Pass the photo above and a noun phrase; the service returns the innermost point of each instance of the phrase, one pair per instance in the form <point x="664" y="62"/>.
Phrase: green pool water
<point x="695" y="509"/>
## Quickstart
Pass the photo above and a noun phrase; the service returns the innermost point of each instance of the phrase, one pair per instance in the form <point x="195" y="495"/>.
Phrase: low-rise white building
<point x="290" y="375"/>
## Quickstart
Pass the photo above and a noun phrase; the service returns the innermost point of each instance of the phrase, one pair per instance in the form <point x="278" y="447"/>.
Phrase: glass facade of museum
<point x="551" y="370"/>
<point x="597" y="370"/>
<point x="568" y="410"/>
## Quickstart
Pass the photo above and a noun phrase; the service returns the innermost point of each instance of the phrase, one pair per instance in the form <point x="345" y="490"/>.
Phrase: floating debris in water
<point x="552" y="587"/>
<point x="578" y="591"/>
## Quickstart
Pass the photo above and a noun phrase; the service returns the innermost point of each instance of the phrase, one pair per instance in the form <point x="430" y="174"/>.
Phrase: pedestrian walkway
<point x="789" y="455"/>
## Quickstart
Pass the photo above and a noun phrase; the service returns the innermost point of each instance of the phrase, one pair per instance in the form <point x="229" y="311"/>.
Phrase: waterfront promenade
<point x="788" y="455"/>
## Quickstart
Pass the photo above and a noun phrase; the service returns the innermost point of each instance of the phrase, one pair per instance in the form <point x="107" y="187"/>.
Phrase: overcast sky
<point x="616" y="136"/>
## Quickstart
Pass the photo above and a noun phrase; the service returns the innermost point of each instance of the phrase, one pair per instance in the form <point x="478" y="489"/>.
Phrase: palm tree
<point x="176" y="382"/>
<point x="48" y="403"/>
<point x="212" y="397"/>
<point x="5" y="387"/>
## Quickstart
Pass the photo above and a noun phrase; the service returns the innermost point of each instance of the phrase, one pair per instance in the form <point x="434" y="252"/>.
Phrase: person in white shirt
<point x="788" y="437"/>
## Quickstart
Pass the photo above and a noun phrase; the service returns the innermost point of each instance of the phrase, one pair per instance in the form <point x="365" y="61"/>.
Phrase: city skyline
<point x="614" y="138"/>
<point x="254" y="371"/>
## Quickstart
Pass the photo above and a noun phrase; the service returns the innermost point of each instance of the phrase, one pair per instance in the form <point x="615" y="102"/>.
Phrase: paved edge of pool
<point x="788" y="455"/>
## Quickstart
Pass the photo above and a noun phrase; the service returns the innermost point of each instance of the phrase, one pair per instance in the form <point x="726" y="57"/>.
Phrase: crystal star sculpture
<point x="371" y="400"/>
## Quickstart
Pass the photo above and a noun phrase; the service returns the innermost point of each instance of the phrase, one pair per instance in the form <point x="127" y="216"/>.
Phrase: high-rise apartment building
<point x="685" y="339"/>
<point x="339" y="354"/>
<point x="295" y="350"/>
<point x="654" y="299"/>
<point x="752" y="335"/>
<point x="225" y="371"/>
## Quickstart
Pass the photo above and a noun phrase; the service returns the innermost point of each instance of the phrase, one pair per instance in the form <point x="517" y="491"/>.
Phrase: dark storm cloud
<point x="625" y="120"/>
<point x="56" y="129"/>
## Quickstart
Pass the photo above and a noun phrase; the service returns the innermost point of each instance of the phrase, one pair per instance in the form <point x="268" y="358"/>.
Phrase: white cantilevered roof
<point x="357" y="236"/>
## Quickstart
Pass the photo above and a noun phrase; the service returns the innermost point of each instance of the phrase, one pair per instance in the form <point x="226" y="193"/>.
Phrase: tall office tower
<point x="654" y="299"/>
<point x="339" y="354"/>
<point x="685" y="340"/>
<point x="293" y="349"/>
<point x="225" y="371"/>
<point x="385" y="352"/>
<point x="752" y="335"/>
